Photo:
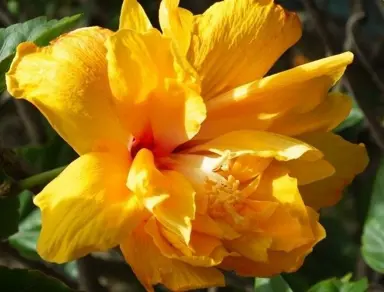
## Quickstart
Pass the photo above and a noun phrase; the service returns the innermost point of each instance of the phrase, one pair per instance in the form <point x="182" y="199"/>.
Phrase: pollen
<point x="224" y="198"/>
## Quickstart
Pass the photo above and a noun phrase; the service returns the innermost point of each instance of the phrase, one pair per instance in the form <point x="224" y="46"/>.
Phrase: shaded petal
<point x="176" y="115"/>
<point x="251" y="246"/>
<point x="167" y="194"/>
<point x="288" y="226"/>
<point x="202" y="251"/>
<point x="286" y="95"/>
<point x="176" y="23"/>
<point x="262" y="144"/>
<point x="249" y="35"/>
<point x="133" y="17"/>
<point x="325" y="117"/>
<point x="67" y="81"/>
<point x="151" y="267"/>
<point x="348" y="160"/>
<point x="308" y="172"/>
<point x="87" y="208"/>
<point x="143" y="74"/>
<point x="278" y="261"/>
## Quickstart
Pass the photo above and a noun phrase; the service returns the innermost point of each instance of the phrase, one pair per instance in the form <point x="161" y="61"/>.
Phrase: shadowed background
<point x="329" y="27"/>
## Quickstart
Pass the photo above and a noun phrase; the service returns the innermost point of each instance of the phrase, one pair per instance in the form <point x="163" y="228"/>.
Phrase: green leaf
<point x="19" y="280"/>
<point x="355" y="117"/>
<point x="38" y="30"/>
<point x="55" y="153"/>
<point x="275" y="284"/>
<point x="373" y="235"/>
<point x="26" y="203"/>
<point x="26" y="238"/>
<point x="340" y="285"/>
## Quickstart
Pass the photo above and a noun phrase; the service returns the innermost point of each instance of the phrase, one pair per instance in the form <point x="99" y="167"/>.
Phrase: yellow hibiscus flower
<point x="190" y="160"/>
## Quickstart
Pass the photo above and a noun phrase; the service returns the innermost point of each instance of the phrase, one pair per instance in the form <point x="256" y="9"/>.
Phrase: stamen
<point x="224" y="196"/>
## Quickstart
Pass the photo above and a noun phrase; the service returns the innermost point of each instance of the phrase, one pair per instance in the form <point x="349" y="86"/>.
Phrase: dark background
<point x="329" y="27"/>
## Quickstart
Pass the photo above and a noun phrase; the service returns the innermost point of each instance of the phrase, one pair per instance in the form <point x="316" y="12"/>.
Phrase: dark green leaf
<point x="55" y="153"/>
<point x="373" y="234"/>
<point x="38" y="30"/>
<point x="9" y="216"/>
<point x="26" y="204"/>
<point x="275" y="284"/>
<point x="25" y="239"/>
<point x="355" y="117"/>
<point x="18" y="280"/>
<point x="340" y="285"/>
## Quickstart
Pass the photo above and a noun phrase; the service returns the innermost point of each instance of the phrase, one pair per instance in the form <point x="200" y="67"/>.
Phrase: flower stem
<point x="40" y="179"/>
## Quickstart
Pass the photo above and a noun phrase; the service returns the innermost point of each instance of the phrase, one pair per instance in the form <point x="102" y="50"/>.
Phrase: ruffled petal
<point x="144" y="76"/>
<point x="348" y="160"/>
<point x="249" y="35"/>
<point x="288" y="226"/>
<point x="67" y="81"/>
<point x="325" y="117"/>
<point x="134" y="17"/>
<point x="286" y="102"/>
<point x="176" y="23"/>
<point x="87" y="208"/>
<point x="251" y="246"/>
<point x="167" y="194"/>
<point x="307" y="172"/>
<point x="262" y="144"/>
<point x="278" y="261"/>
<point x="202" y="251"/>
<point x="151" y="267"/>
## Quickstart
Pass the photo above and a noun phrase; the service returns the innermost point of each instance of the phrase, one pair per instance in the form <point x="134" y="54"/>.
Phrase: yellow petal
<point x="176" y="23"/>
<point x="150" y="100"/>
<point x="262" y="144"/>
<point x="252" y="246"/>
<point x="67" y="81"/>
<point x="87" y="208"/>
<point x="247" y="167"/>
<point x="288" y="226"/>
<point x="348" y="160"/>
<point x="202" y="251"/>
<point x="308" y="172"/>
<point x="325" y="117"/>
<point x="258" y="104"/>
<point x="151" y="267"/>
<point x="278" y="261"/>
<point x="176" y="115"/>
<point x="167" y="194"/>
<point x="237" y="41"/>
<point x="132" y="75"/>
<point x="133" y="17"/>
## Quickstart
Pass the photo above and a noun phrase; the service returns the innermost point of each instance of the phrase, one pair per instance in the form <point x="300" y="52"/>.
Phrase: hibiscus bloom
<point x="190" y="160"/>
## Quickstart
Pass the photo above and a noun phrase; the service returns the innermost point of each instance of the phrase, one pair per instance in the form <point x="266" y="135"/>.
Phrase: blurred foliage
<point x="13" y="280"/>
<point x="347" y="249"/>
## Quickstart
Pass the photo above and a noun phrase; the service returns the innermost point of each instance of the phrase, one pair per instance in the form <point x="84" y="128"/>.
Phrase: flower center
<point x="224" y="198"/>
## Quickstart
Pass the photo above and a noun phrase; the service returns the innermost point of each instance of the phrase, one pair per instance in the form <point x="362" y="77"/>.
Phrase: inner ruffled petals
<point x="203" y="250"/>
<point x="165" y="193"/>
<point x="152" y="95"/>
